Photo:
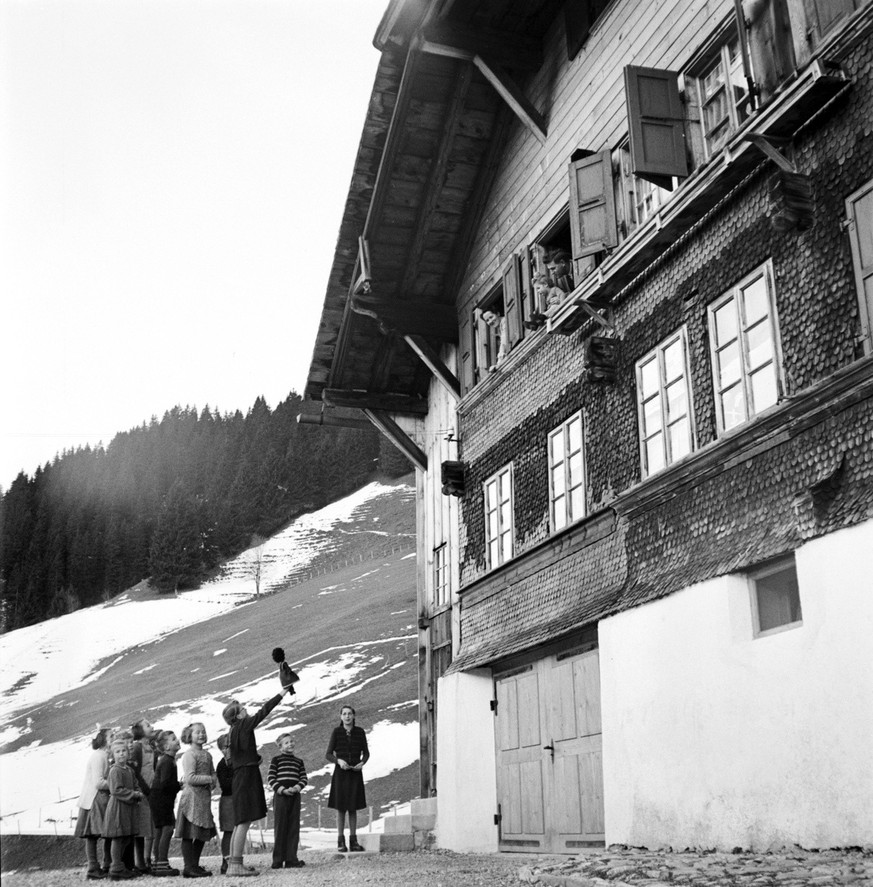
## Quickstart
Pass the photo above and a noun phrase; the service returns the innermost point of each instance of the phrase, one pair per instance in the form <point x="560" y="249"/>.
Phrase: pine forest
<point x="170" y="501"/>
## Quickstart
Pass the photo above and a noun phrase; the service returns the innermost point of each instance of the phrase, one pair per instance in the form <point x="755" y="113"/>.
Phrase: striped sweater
<point x="286" y="771"/>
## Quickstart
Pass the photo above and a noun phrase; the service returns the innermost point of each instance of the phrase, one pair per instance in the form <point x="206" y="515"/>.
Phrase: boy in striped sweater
<point x="286" y="778"/>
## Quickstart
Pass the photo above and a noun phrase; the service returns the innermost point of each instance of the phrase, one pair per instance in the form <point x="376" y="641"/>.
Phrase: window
<point x="859" y="215"/>
<point x="498" y="517"/>
<point x="664" y="404"/>
<point x="566" y="473"/>
<point x="742" y="331"/>
<point x="440" y="575"/>
<point x="775" y="597"/>
<point x="722" y="93"/>
<point x="640" y="198"/>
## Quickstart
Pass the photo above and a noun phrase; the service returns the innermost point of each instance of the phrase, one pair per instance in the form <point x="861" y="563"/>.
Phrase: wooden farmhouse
<point x="605" y="276"/>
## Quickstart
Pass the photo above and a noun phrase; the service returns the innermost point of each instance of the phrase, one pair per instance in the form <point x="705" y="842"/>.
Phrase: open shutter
<point x="592" y="206"/>
<point x="526" y="299"/>
<point x="512" y="301"/>
<point x="823" y="14"/>
<point x="656" y="124"/>
<point x="770" y="44"/>
<point x="465" y="352"/>
<point x="482" y="337"/>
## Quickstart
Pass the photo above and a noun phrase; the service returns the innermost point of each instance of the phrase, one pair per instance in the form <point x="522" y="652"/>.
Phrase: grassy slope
<point x="306" y="623"/>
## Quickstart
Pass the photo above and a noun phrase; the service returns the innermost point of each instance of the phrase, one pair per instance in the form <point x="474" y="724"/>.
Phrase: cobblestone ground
<point x="614" y="867"/>
<point x="621" y="867"/>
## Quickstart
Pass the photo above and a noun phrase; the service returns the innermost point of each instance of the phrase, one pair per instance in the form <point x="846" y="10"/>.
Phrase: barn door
<point x="549" y="762"/>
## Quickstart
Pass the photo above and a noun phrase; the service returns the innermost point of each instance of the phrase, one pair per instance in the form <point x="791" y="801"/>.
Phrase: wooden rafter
<point x="366" y="400"/>
<point x="437" y="322"/>
<point x="437" y="176"/>
<point x="509" y="50"/>
<point x="513" y="96"/>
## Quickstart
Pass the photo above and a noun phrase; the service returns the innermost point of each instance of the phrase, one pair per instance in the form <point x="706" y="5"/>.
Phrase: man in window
<point x="560" y="268"/>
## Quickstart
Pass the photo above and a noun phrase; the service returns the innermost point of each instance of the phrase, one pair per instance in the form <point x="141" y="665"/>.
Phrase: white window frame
<point x="747" y="372"/>
<point x="501" y="481"/>
<point x="777" y="566"/>
<point x="863" y="273"/>
<point x="561" y="516"/>
<point x="667" y="421"/>
<point x="719" y="56"/>
<point x="642" y="199"/>
<point x="442" y="581"/>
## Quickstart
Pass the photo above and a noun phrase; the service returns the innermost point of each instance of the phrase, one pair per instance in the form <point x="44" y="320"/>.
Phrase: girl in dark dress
<point x="249" y="800"/>
<point x="348" y="750"/>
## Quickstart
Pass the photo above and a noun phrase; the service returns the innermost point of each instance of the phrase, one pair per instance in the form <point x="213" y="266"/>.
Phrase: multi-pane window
<point x="498" y="517"/>
<point x="440" y="575"/>
<point x="775" y="597"/>
<point x="742" y="328"/>
<point x="664" y="404"/>
<point x="566" y="473"/>
<point x="723" y="94"/>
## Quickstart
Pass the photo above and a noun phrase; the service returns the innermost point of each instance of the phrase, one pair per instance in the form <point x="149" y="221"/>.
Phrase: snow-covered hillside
<point x="175" y="659"/>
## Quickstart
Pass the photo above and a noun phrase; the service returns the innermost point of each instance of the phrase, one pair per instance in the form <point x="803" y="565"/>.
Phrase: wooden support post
<point x="397" y="436"/>
<point x="434" y="363"/>
<point x="514" y="97"/>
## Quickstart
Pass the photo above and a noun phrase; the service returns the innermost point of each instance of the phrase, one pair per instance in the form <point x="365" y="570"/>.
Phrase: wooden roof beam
<point x="436" y="322"/>
<point x="511" y="50"/>
<point x="366" y="400"/>
<point x="434" y="363"/>
<point x="398" y="437"/>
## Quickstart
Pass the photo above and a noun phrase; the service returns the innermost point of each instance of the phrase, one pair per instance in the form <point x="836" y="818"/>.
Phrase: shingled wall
<point x="728" y="521"/>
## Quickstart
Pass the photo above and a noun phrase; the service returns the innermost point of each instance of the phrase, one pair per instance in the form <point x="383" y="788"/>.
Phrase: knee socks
<point x="91" y="854"/>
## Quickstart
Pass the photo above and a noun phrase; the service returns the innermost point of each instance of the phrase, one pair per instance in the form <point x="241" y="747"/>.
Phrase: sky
<point x="172" y="178"/>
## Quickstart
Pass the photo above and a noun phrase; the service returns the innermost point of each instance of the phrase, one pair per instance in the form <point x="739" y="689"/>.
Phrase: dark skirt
<point x="226" y="819"/>
<point x="163" y="814"/>
<point x="347" y="790"/>
<point x="90" y="822"/>
<point x="187" y="831"/>
<point x="249" y="800"/>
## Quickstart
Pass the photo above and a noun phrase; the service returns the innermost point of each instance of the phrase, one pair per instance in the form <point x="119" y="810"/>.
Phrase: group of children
<point x="129" y="797"/>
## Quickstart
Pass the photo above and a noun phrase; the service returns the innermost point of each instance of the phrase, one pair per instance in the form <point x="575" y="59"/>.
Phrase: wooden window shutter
<point x="656" y="124"/>
<point x="526" y="283"/>
<point x="512" y="306"/>
<point x="592" y="206"/>
<point x="465" y="352"/>
<point x="823" y="14"/>
<point x="484" y="358"/>
<point x="770" y="45"/>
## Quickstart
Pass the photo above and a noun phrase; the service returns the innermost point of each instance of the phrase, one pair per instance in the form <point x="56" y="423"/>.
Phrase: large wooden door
<point x="549" y="764"/>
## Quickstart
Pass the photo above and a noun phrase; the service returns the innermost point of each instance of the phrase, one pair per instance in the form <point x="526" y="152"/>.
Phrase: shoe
<point x="235" y="868"/>
<point x="341" y="845"/>
<point x="165" y="871"/>
<point x="121" y="876"/>
<point x="295" y="864"/>
<point x="354" y="846"/>
<point x="223" y="869"/>
<point x="204" y="872"/>
<point x="195" y="873"/>
<point x="95" y="874"/>
<point x="277" y="865"/>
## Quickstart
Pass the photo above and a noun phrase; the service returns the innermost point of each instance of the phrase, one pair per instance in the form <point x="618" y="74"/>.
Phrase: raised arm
<point x="264" y="710"/>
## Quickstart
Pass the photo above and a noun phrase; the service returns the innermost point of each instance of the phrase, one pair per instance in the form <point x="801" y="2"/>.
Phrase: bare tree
<point x="255" y="561"/>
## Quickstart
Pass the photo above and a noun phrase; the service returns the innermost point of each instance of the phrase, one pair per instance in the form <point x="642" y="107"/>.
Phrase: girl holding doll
<point x="194" y="822"/>
<point x="92" y="802"/>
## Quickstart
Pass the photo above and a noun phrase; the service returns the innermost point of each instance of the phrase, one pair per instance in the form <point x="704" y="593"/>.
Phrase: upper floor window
<point x="775" y="597"/>
<point x="441" y="584"/>
<point x="745" y="349"/>
<point x="859" y="214"/>
<point x="498" y="517"/>
<point x="664" y="404"/>
<point x="722" y="94"/>
<point x="566" y="473"/>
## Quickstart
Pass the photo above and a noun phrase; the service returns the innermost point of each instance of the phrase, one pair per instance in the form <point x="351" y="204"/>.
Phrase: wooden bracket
<point x="366" y="400"/>
<point x="363" y="280"/>
<point x="513" y="96"/>
<point x="432" y="320"/>
<point x="434" y="363"/>
<point x="766" y="144"/>
<point x="397" y="436"/>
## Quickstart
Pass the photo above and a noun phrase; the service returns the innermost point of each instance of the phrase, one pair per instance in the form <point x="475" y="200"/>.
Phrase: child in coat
<point x="142" y="762"/>
<point x="162" y="800"/>
<point x="93" y="801"/>
<point x="118" y="823"/>
<point x="224" y="772"/>
<point x="194" y="822"/>
<point x="287" y="778"/>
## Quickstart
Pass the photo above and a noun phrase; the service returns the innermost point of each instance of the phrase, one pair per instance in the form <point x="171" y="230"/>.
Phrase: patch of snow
<point x="219" y="652"/>
<point x="147" y="668"/>
<point x="406" y="557"/>
<point x="235" y="635"/>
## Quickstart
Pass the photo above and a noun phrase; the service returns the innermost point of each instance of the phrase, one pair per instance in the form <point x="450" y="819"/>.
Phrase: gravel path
<point x="426" y="868"/>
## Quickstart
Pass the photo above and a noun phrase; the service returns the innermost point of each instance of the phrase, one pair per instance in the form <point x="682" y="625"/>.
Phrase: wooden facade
<point x="689" y="157"/>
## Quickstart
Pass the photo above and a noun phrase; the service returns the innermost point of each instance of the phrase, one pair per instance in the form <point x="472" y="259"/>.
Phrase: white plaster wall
<point x="712" y="738"/>
<point x="466" y="765"/>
